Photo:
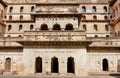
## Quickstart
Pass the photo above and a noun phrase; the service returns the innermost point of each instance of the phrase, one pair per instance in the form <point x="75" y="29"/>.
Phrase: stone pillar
<point x="62" y="67"/>
<point x="47" y="67"/>
<point x="50" y="29"/>
<point x="63" y="29"/>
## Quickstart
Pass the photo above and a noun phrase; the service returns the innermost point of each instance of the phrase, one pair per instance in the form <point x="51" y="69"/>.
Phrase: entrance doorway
<point x="70" y="65"/>
<point x="38" y="65"/>
<point x="105" y="65"/>
<point x="8" y="65"/>
<point x="54" y="65"/>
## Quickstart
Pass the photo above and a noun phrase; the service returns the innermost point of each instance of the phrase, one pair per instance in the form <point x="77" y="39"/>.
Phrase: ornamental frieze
<point x="54" y="38"/>
<point x="67" y="8"/>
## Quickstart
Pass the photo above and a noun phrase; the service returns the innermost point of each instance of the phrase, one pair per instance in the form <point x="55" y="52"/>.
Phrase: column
<point x="62" y="67"/>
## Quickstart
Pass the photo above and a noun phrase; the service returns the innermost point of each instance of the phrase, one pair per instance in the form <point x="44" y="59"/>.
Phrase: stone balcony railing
<point x="54" y="36"/>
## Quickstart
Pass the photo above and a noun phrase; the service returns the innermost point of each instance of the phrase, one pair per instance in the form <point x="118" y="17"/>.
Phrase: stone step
<point x="104" y="74"/>
<point x="11" y="76"/>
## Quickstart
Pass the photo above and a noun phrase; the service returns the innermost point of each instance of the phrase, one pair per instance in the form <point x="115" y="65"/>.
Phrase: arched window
<point x="32" y="9"/>
<point x="21" y="9"/>
<point x="8" y="64"/>
<point x="44" y="27"/>
<point x="95" y="27"/>
<point x="11" y="9"/>
<point x="105" y="65"/>
<point x="38" y="65"/>
<point x="104" y="9"/>
<point x="54" y="65"/>
<point x="94" y="9"/>
<point x="69" y="27"/>
<point x="70" y="65"/>
<point x="83" y="9"/>
<point x="105" y="17"/>
<point x="96" y="36"/>
<point x="5" y="17"/>
<point x="20" y="27"/>
<point x="10" y="17"/>
<point x="9" y="36"/>
<point x="106" y="28"/>
<point x="56" y="27"/>
<point x="84" y="17"/>
<point x="95" y="17"/>
<point x="21" y="17"/>
<point x="107" y="35"/>
<point x="1" y="13"/>
<point x="31" y="27"/>
<point x="84" y="27"/>
<point x="9" y="27"/>
<point x="19" y="35"/>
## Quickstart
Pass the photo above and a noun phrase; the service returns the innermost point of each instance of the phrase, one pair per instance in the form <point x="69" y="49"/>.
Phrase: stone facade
<point x="58" y="37"/>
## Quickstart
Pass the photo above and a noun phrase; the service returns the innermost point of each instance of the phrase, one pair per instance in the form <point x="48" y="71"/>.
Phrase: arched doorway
<point x="118" y="66"/>
<point x="8" y="64"/>
<point x="56" y="27"/>
<point x="70" y="65"/>
<point x="105" y="65"/>
<point x="38" y="65"/>
<point x="54" y="65"/>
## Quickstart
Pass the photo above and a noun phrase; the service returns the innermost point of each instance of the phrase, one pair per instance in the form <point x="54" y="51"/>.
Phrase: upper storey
<point x="2" y="11"/>
<point x="57" y="1"/>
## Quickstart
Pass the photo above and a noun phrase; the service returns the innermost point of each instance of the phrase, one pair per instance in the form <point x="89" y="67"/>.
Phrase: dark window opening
<point x="70" y="65"/>
<point x="56" y="27"/>
<point x="38" y="65"/>
<point x="54" y="65"/>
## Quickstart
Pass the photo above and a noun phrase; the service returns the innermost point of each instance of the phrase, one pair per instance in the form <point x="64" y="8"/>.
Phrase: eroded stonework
<point x="58" y="37"/>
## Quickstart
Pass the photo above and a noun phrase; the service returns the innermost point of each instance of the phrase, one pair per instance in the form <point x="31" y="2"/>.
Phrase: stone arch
<point x="44" y="27"/>
<point x="54" y="65"/>
<point x="21" y="9"/>
<point x="95" y="27"/>
<point x="38" y="65"/>
<point x="31" y="27"/>
<point x="32" y="9"/>
<point x="94" y="9"/>
<point x="11" y="9"/>
<point x="8" y="64"/>
<point x="105" y="64"/>
<point x="69" y="27"/>
<point x="105" y="9"/>
<point x="84" y="27"/>
<point x="10" y="17"/>
<point x="20" y="27"/>
<point x="83" y="9"/>
<point x="95" y="17"/>
<point x="9" y="27"/>
<point x="70" y="65"/>
<point x="56" y="27"/>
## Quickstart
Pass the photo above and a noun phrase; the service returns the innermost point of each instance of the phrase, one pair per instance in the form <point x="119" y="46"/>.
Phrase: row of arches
<point x="45" y="27"/>
<point x="96" y="27"/>
<point x="55" y="65"/>
<point x="22" y="9"/>
<point x="95" y="17"/>
<point x="94" y="9"/>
